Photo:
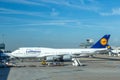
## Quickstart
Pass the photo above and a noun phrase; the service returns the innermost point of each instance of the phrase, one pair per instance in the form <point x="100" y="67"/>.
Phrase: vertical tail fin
<point x="102" y="43"/>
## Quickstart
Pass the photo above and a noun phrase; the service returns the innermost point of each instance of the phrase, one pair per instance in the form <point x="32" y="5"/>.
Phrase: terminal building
<point x="87" y="44"/>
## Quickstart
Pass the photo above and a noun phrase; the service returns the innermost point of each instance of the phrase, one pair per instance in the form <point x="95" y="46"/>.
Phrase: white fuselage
<point x="43" y="52"/>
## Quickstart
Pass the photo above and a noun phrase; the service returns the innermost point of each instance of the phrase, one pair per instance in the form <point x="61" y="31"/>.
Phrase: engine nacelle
<point x="52" y="58"/>
<point x="59" y="58"/>
<point x="67" y="58"/>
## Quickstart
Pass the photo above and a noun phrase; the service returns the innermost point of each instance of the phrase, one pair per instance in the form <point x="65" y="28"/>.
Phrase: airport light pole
<point x="0" y="56"/>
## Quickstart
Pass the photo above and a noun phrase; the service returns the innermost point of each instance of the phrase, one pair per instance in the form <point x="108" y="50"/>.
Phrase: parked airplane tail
<point x="102" y="43"/>
<point x="109" y="47"/>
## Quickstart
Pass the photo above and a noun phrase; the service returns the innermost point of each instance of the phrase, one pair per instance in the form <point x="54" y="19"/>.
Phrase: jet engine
<point x="67" y="58"/>
<point x="59" y="58"/>
<point x="52" y="58"/>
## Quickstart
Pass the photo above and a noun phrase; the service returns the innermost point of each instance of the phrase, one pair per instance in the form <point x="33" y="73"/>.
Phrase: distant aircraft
<point x="114" y="52"/>
<point x="50" y="54"/>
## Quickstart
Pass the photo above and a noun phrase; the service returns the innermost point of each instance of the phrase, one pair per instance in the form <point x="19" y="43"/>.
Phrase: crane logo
<point x="108" y="47"/>
<point x="103" y="41"/>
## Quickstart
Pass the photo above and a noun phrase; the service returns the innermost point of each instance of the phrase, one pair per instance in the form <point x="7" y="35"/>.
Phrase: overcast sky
<point x="58" y="23"/>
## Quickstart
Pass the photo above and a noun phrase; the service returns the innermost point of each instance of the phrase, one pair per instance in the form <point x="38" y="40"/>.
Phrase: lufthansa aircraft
<point x="62" y="54"/>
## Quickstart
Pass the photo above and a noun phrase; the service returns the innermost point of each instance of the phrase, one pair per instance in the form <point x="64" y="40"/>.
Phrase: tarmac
<point x="100" y="67"/>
